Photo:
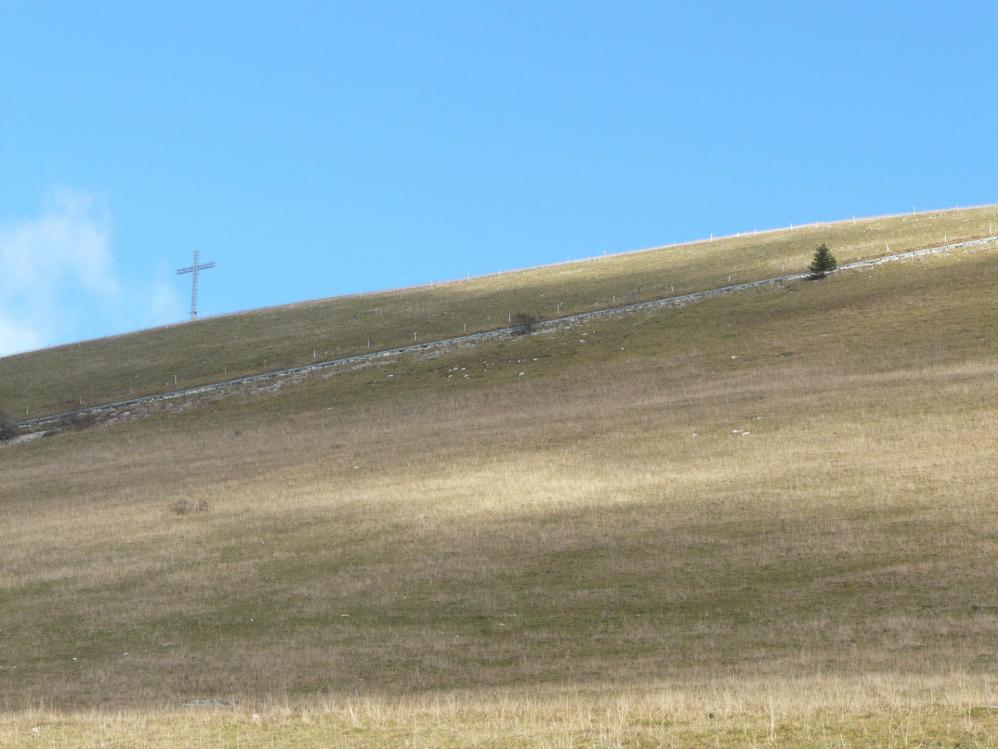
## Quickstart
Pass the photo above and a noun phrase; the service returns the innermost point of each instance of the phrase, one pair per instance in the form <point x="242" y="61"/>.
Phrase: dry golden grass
<point x="594" y="553"/>
<point x="888" y="713"/>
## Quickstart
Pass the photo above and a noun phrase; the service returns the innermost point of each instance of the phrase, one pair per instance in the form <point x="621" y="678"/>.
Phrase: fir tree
<point x="823" y="262"/>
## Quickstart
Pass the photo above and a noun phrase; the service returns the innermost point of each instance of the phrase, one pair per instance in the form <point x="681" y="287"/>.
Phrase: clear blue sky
<point x="316" y="149"/>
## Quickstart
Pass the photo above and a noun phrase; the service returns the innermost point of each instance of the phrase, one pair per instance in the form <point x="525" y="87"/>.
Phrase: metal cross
<point x="194" y="270"/>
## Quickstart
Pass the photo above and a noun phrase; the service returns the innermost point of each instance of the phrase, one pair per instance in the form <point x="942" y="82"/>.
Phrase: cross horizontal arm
<point x="192" y="268"/>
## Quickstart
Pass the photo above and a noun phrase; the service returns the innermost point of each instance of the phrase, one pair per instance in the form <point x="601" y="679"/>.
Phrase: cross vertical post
<point x="194" y="270"/>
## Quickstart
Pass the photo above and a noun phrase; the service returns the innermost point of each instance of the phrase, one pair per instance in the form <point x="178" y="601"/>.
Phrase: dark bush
<point x="522" y="323"/>
<point x="186" y="506"/>
<point x="7" y="430"/>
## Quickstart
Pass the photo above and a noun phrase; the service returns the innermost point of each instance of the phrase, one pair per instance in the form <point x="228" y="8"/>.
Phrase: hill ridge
<point x="711" y="238"/>
<point x="558" y="322"/>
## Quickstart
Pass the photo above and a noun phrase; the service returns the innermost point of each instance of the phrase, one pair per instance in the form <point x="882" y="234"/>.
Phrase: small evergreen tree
<point x="822" y="263"/>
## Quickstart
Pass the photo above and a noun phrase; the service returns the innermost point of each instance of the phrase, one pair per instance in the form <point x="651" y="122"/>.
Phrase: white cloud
<point x="16" y="336"/>
<point x="57" y="268"/>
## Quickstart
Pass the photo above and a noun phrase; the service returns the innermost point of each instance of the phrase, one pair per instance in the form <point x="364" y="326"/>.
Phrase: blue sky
<point x="316" y="149"/>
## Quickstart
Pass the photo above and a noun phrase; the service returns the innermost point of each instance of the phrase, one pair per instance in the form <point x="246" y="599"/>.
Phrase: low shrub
<point x="186" y="506"/>
<point x="7" y="428"/>
<point x="522" y="323"/>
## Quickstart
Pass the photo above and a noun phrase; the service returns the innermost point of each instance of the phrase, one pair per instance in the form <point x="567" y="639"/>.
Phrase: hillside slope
<point x="58" y="379"/>
<point x="764" y="518"/>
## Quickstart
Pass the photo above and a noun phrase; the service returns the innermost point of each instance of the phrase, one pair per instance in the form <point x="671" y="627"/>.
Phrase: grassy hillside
<point x="153" y="361"/>
<point x="765" y="519"/>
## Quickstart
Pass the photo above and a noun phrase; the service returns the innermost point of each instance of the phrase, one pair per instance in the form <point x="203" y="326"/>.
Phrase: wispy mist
<point x="57" y="270"/>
